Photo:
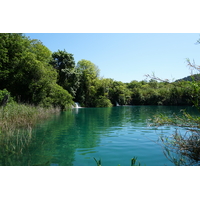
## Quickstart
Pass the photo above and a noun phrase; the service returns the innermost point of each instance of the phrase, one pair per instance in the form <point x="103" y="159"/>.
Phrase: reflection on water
<point x="74" y="137"/>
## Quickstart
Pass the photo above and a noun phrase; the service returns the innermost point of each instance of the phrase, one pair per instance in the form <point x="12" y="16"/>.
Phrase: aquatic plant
<point x="14" y="116"/>
<point x="133" y="162"/>
<point x="98" y="162"/>
<point x="183" y="149"/>
<point x="16" y="129"/>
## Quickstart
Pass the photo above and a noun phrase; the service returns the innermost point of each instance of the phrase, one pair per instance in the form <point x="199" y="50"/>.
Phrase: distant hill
<point x="189" y="78"/>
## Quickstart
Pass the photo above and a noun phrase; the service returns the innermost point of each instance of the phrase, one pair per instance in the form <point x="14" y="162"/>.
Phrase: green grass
<point x="16" y="124"/>
<point x="20" y="116"/>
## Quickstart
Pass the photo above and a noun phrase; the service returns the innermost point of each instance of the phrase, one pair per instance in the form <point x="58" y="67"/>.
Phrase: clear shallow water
<point x="114" y="135"/>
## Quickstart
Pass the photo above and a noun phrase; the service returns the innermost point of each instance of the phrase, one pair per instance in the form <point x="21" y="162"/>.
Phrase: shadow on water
<point x="76" y="136"/>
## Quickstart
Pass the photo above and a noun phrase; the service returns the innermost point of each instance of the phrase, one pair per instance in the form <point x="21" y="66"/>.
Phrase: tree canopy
<point x="31" y="73"/>
<point x="25" y="71"/>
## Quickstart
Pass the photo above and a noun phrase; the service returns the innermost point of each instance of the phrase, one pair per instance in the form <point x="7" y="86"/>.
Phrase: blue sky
<point x="129" y="56"/>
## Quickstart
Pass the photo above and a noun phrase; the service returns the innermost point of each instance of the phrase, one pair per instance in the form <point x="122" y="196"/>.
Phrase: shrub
<point x="102" y="101"/>
<point x="3" y="94"/>
<point x="58" y="97"/>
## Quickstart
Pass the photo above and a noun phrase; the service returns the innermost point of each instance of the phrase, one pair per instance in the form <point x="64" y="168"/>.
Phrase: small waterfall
<point x="117" y="103"/>
<point x="77" y="105"/>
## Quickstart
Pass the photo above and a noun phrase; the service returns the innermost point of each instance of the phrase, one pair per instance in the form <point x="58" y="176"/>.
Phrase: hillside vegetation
<point x="195" y="77"/>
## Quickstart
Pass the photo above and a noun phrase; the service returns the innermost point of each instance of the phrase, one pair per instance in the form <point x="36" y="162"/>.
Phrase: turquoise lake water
<point x="114" y="135"/>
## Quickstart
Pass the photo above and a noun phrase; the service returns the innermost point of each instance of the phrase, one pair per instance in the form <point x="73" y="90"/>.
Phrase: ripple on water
<point x="114" y="135"/>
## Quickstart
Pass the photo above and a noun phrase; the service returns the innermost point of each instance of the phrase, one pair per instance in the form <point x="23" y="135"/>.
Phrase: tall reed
<point x="16" y="116"/>
<point x="16" y="124"/>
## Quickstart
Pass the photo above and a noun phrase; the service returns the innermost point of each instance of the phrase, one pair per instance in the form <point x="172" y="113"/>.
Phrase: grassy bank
<point x="20" y="116"/>
<point x="16" y="125"/>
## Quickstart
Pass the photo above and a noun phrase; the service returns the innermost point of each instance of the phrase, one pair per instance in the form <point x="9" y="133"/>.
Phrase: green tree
<point x="64" y="63"/>
<point x="89" y="74"/>
<point x="12" y="47"/>
<point x="103" y="87"/>
<point x="119" y="93"/>
<point x="25" y="70"/>
<point x="68" y="76"/>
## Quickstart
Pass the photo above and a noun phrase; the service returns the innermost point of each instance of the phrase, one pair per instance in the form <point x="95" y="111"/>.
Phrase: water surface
<point x="114" y="135"/>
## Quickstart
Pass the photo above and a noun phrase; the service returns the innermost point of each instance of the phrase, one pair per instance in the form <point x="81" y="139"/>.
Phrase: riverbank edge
<point x="15" y="116"/>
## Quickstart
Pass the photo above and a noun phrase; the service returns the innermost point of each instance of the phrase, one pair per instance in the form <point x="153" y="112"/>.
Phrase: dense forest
<point x="30" y="73"/>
